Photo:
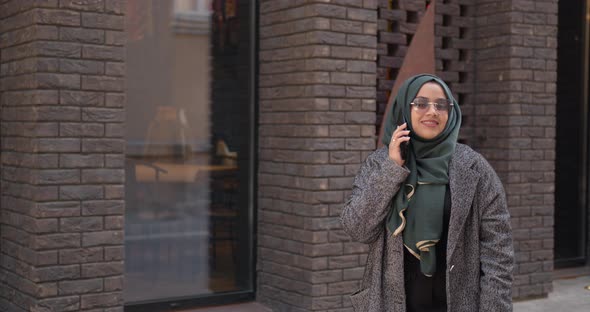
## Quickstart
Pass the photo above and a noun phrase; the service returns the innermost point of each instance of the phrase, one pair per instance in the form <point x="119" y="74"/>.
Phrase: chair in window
<point x="224" y="155"/>
<point x="224" y="206"/>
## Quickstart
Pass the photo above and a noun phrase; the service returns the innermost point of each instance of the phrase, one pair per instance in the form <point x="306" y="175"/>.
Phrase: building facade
<point x="161" y="155"/>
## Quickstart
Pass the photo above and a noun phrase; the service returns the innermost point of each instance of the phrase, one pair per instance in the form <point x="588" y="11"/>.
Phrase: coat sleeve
<point x="496" y="249"/>
<point x="378" y="179"/>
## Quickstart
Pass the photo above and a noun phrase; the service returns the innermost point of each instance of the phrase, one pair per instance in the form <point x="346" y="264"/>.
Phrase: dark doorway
<point x="571" y="169"/>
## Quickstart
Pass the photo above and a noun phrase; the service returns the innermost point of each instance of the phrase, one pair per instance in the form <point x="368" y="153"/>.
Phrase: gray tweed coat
<point x="480" y="255"/>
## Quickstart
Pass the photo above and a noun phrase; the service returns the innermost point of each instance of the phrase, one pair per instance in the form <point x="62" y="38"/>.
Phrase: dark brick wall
<point x="62" y="100"/>
<point x="62" y="66"/>
<point x="398" y="21"/>
<point x="317" y="122"/>
<point x="515" y="114"/>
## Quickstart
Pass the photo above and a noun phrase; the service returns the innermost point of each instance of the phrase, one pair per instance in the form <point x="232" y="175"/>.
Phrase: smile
<point x="430" y="123"/>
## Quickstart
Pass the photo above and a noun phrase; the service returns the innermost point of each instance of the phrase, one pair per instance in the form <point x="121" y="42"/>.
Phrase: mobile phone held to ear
<point x="403" y="150"/>
<point x="403" y="147"/>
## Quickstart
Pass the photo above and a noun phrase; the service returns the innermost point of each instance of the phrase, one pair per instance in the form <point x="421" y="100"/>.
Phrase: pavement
<point x="243" y="307"/>
<point x="569" y="295"/>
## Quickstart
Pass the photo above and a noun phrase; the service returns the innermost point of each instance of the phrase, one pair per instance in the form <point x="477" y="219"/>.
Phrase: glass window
<point x="188" y="222"/>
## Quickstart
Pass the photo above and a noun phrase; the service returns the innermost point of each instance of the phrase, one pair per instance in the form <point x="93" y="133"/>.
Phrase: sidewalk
<point x="244" y="307"/>
<point x="568" y="295"/>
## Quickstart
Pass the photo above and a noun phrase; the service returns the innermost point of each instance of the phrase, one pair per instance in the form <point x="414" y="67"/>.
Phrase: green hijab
<point x="417" y="208"/>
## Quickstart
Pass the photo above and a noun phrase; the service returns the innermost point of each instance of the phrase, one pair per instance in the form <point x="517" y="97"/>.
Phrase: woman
<point x="434" y="213"/>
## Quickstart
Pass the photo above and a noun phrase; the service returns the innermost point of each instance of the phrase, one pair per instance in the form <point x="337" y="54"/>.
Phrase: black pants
<point x="424" y="294"/>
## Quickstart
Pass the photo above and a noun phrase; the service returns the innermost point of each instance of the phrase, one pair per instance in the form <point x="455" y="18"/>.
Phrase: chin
<point x="428" y="135"/>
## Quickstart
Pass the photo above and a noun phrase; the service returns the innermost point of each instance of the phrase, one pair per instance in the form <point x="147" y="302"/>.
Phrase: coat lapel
<point x="462" y="182"/>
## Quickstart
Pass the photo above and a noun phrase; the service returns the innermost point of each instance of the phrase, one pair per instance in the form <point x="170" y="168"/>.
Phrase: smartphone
<point x="403" y="147"/>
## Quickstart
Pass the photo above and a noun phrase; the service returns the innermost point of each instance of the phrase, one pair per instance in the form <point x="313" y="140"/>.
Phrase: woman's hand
<point x="399" y="135"/>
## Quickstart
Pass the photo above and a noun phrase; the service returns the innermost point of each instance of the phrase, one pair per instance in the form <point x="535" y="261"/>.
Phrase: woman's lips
<point x="430" y="123"/>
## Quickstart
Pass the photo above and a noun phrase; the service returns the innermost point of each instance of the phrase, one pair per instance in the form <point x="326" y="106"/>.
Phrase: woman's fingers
<point x="402" y="139"/>
<point x="400" y="132"/>
<point x="399" y="135"/>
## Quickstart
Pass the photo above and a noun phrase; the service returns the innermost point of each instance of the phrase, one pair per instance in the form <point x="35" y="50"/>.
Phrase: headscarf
<point x="417" y="208"/>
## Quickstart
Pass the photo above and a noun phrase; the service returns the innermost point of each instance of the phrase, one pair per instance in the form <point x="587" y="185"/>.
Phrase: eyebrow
<point x="423" y="97"/>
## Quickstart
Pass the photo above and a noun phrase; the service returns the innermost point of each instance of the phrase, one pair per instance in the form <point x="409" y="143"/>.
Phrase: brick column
<point x="317" y="115"/>
<point x="62" y="84"/>
<point x="516" y="51"/>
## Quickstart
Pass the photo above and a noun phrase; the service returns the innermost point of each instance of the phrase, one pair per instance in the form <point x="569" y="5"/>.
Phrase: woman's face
<point x="430" y="122"/>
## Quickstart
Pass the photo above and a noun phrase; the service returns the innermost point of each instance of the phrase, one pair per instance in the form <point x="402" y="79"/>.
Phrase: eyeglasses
<point x="440" y="105"/>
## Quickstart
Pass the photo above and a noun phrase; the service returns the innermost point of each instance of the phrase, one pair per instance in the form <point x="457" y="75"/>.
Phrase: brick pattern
<point x="398" y="21"/>
<point x="516" y="80"/>
<point x="317" y="122"/>
<point x="62" y="68"/>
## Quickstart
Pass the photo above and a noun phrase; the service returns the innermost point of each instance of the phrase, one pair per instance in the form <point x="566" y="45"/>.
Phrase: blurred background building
<point x="162" y="155"/>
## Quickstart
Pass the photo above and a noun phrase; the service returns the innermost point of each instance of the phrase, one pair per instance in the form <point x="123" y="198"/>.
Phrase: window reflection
<point x="182" y="167"/>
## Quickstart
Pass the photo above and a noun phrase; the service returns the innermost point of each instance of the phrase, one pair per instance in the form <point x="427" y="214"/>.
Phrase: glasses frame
<point x="449" y="103"/>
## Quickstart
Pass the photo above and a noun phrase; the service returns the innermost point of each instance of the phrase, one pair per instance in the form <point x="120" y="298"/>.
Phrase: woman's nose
<point x="432" y="110"/>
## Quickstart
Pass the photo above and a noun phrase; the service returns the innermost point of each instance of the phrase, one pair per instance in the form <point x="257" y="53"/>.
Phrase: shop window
<point x="188" y="221"/>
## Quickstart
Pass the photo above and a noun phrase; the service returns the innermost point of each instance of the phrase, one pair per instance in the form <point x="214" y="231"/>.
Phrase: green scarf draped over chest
<point x="417" y="208"/>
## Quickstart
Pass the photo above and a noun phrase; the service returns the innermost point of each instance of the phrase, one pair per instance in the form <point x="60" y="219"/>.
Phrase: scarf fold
<point x="417" y="208"/>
